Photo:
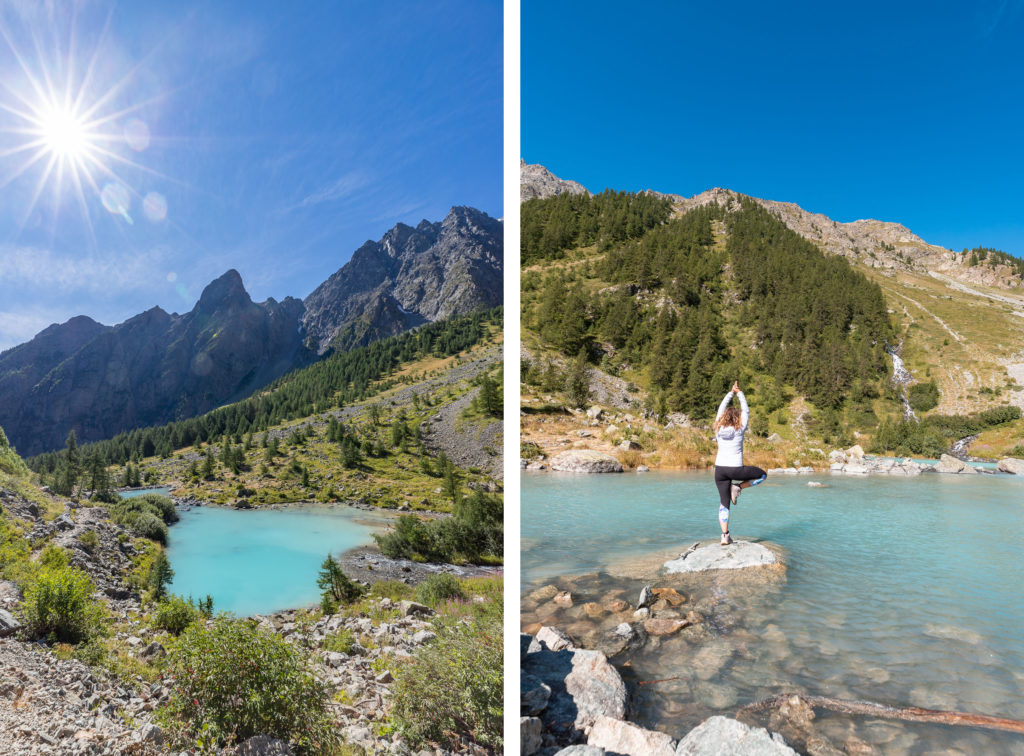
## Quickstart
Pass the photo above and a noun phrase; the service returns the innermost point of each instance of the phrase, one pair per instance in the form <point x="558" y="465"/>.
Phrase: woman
<point x="730" y="425"/>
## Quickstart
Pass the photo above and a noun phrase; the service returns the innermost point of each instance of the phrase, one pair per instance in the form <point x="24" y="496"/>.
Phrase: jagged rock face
<point x="409" y="277"/>
<point x="536" y="181"/>
<point x="151" y="369"/>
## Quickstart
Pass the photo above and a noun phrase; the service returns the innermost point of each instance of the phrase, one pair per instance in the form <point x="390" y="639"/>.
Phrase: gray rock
<point x="554" y="639"/>
<point x="595" y="413"/>
<point x="584" y="686"/>
<point x="619" y="737"/>
<point x="264" y="745"/>
<point x="643" y="468"/>
<point x="411" y="609"/>
<point x="646" y="597"/>
<point x="740" y="555"/>
<point x="528" y="645"/>
<point x="721" y="736"/>
<point x="64" y="522"/>
<point x="1011" y="465"/>
<point x="855" y="452"/>
<point x="538" y="181"/>
<point x="530" y="729"/>
<point x="534" y="694"/>
<point x="9" y="624"/>
<point x="423" y="636"/>
<point x="153" y="651"/>
<point x="585" y="461"/>
<point x="948" y="464"/>
<point x="581" y="750"/>
<point x="150" y="733"/>
<point x="629" y="445"/>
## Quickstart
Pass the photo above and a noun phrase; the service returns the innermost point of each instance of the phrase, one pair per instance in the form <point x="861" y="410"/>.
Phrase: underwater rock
<point x="721" y="735"/>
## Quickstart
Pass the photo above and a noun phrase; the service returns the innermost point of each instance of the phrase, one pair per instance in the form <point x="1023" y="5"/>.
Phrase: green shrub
<point x="923" y="396"/>
<point x="452" y="686"/>
<point x="395" y="590"/>
<point x="234" y="680"/>
<point x="174" y="614"/>
<point x="342" y="640"/>
<point x="54" y="557"/>
<point x="59" y="606"/>
<point x="146" y="516"/>
<point x="438" y="588"/>
<point x="473" y="534"/>
<point x="90" y="540"/>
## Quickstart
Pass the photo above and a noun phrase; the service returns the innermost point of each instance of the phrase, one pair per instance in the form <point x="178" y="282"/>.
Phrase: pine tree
<point x="160" y="575"/>
<point x="335" y="586"/>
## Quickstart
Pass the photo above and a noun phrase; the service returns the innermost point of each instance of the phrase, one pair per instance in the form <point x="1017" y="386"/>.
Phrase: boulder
<point x="584" y="686"/>
<point x="411" y="608"/>
<point x="153" y="651"/>
<point x="949" y="464"/>
<point x="774" y="438"/>
<point x="9" y="624"/>
<point x="627" y="739"/>
<point x="722" y="736"/>
<point x="64" y="522"/>
<point x="855" y="452"/>
<point x="837" y="455"/>
<point x="554" y="638"/>
<point x="629" y="445"/>
<point x="581" y="750"/>
<point x="643" y="468"/>
<point x="595" y="413"/>
<point x="585" y="461"/>
<point x="740" y="555"/>
<point x="1011" y="465"/>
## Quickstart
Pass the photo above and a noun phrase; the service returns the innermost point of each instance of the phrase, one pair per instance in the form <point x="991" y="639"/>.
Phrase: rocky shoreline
<point x="852" y="461"/>
<point x="575" y="702"/>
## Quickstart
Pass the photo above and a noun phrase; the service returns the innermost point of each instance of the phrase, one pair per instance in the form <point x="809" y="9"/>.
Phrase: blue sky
<point x="270" y="137"/>
<point x="901" y="111"/>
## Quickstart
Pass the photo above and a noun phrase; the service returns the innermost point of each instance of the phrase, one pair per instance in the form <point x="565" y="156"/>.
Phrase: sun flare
<point x="64" y="133"/>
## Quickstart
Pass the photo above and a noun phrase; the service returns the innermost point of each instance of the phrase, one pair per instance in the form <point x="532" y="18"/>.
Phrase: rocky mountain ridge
<point x="877" y="244"/>
<point x="409" y="277"/>
<point x="158" y="367"/>
<point x="537" y="182"/>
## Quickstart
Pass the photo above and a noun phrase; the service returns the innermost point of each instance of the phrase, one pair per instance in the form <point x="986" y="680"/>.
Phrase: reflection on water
<point x="898" y="591"/>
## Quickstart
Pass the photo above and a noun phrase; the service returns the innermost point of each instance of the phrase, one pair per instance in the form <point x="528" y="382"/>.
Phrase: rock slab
<point x="722" y="736"/>
<point x="737" y="556"/>
<point x="1011" y="465"/>
<point x="585" y="461"/>
<point x="619" y="737"/>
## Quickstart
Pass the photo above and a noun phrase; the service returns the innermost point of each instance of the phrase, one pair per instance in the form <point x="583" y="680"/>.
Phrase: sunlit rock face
<point x="158" y="367"/>
<point x="409" y="277"/>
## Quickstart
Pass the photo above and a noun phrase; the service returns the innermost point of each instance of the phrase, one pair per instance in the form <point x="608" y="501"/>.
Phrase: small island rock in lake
<point x="585" y="461"/>
<point x="1011" y="465"/>
<point x="718" y="735"/>
<point x="712" y="556"/>
<point x="950" y="464"/>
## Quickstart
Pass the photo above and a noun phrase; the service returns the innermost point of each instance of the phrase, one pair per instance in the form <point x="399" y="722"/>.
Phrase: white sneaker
<point x="735" y="491"/>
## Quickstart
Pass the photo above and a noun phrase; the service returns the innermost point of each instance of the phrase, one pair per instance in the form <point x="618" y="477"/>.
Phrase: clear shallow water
<point x="904" y="591"/>
<point x="254" y="562"/>
<point x="165" y="490"/>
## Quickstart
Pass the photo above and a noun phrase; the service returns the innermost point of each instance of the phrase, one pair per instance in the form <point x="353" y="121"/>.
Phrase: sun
<point x="64" y="133"/>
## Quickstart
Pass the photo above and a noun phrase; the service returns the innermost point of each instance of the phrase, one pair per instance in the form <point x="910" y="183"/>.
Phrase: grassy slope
<point x="392" y="481"/>
<point x="972" y="346"/>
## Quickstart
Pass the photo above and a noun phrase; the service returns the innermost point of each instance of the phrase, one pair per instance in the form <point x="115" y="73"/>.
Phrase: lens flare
<point x="117" y="200"/>
<point x="155" y="207"/>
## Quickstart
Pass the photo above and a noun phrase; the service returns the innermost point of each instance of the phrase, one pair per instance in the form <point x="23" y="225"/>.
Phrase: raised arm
<point x="744" y="411"/>
<point x="724" y="404"/>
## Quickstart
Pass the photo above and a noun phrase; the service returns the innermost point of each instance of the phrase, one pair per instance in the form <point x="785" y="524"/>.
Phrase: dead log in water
<point x="906" y="714"/>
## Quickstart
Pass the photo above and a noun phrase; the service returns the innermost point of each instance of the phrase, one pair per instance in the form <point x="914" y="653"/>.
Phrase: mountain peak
<point x="536" y="181"/>
<point x="226" y="291"/>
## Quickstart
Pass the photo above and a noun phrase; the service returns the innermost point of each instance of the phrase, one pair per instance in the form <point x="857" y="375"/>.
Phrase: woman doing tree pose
<point x="730" y="425"/>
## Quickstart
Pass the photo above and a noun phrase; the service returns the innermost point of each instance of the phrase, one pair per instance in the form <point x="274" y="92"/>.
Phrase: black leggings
<point x="724" y="477"/>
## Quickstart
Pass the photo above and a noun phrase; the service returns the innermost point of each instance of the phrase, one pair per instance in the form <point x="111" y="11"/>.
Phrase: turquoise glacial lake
<point x="260" y="561"/>
<point x="901" y="591"/>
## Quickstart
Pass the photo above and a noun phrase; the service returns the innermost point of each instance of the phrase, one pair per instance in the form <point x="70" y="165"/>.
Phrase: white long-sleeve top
<point x="730" y="440"/>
